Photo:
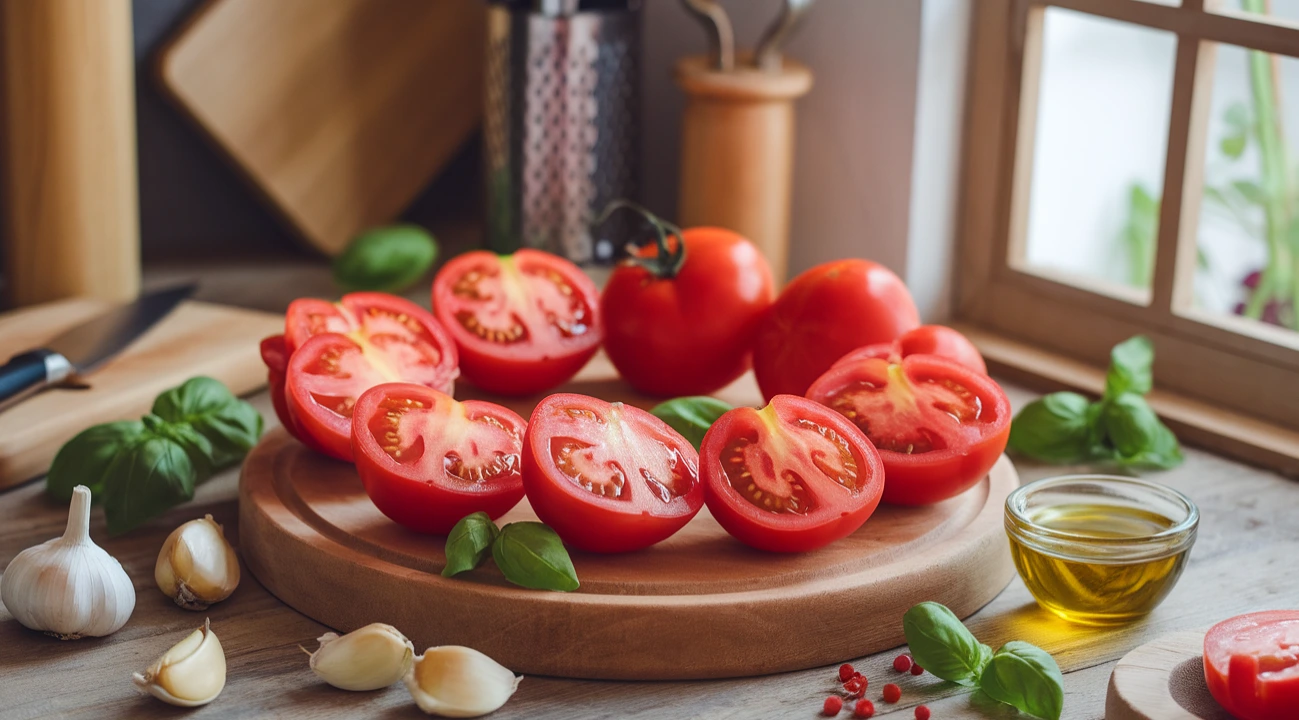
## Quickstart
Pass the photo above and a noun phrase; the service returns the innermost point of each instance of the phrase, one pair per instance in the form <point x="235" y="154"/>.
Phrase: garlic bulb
<point x="69" y="587"/>
<point x="454" y="681"/>
<point x="190" y="674"/>
<point x="196" y="565"/>
<point x="370" y="658"/>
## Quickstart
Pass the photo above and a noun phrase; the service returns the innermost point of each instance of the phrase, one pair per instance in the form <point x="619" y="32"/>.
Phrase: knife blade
<point x="84" y="347"/>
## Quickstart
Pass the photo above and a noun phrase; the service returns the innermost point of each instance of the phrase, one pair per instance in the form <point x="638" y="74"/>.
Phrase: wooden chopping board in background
<point x="195" y="339"/>
<point x="338" y="111"/>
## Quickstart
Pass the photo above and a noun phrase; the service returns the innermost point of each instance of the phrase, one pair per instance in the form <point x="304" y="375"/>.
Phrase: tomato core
<point x="891" y="415"/>
<point x="501" y="310"/>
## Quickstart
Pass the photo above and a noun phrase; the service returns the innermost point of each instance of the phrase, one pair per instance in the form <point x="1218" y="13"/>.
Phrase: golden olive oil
<point x="1091" y="586"/>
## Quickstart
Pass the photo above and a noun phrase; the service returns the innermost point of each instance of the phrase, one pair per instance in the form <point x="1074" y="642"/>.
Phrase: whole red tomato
<point x="686" y="328"/>
<point x="822" y="315"/>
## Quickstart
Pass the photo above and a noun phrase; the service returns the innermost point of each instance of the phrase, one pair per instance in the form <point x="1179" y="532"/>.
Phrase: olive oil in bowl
<point x="1098" y="549"/>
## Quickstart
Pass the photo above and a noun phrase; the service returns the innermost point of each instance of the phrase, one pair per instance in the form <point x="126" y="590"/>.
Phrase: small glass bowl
<point x="1100" y="549"/>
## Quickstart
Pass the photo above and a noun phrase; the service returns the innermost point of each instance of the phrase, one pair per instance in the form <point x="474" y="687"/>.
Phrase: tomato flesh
<point x="939" y="426"/>
<point x="924" y="340"/>
<point x="1251" y="665"/>
<point x="792" y="477"/>
<point x="606" y="476"/>
<point x="523" y="323"/>
<point x="362" y="313"/>
<point x="427" y="460"/>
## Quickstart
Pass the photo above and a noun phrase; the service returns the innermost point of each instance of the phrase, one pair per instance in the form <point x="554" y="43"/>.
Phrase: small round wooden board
<point x="1163" y="680"/>
<point x="698" y="605"/>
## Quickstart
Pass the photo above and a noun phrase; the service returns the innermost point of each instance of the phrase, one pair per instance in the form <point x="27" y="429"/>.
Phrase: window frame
<point x="1248" y="370"/>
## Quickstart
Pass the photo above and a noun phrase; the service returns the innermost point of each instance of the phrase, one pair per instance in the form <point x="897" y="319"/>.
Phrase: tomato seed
<point x="832" y="706"/>
<point x="902" y="663"/>
<point x="922" y="712"/>
<point x="917" y="670"/>
<point x="892" y="693"/>
<point x="863" y="709"/>
<point x="846" y="672"/>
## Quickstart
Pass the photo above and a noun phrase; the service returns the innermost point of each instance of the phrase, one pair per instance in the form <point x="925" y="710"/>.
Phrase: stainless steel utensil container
<point x="561" y="129"/>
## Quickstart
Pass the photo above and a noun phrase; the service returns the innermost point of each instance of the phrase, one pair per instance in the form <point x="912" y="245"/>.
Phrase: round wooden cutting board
<point x="698" y="605"/>
<point x="1163" y="680"/>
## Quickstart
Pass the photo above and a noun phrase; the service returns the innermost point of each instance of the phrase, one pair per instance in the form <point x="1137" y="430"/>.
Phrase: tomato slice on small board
<point x="925" y="340"/>
<point x="523" y="323"/>
<point x="427" y="460"/>
<point x="1251" y="664"/>
<point x="939" y="426"/>
<point x="608" y="477"/>
<point x="791" y="477"/>
<point x="327" y="374"/>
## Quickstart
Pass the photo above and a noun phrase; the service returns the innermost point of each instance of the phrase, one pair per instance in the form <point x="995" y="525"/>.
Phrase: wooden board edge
<point x="1139" y="687"/>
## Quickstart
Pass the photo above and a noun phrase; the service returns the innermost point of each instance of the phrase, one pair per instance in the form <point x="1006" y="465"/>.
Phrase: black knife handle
<point x="28" y="372"/>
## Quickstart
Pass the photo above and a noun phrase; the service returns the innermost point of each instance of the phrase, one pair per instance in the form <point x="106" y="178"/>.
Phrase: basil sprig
<point x="691" y="416"/>
<point x="141" y="468"/>
<point x="387" y="259"/>
<point x="1121" y="427"/>
<point x="1018" y="674"/>
<point x="529" y="554"/>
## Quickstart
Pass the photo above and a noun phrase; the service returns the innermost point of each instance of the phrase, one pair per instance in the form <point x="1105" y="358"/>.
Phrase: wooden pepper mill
<point x="737" y="150"/>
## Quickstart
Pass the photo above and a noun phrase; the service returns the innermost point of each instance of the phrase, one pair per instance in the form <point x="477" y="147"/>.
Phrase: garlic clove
<point x="190" y="674"/>
<point x="69" y="587"/>
<point x="454" y="681"/>
<point x="196" y="565"/>
<point x="369" y="658"/>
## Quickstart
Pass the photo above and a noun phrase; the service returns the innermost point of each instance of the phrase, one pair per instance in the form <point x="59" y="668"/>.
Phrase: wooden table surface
<point x="1244" y="560"/>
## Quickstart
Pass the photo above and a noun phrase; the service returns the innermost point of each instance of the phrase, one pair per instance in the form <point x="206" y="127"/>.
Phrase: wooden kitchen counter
<point x="1244" y="560"/>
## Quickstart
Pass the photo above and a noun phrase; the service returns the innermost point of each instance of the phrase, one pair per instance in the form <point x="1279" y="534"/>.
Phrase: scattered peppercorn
<point x="863" y="709"/>
<point x="902" y="663"/>
<point x="832" y="706"/>
<point x="846" y="672"/>
<point x="892" y="693"/>
<point x="922" y="712"/>
<point x="855" y="686"/>
<point x="917" y="670"/>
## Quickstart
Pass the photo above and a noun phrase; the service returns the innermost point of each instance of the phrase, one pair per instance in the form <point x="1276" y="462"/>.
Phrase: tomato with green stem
<point x="925" y="340"/>
<point x="522" y="323"/>
<point x="939" y="426"/>
<point x="608" y="477"/>
<point x="1251" y="664"/>
<point x="426" y="460"/>
<point x="680" y="315"/>
<point x="791" y="477"/>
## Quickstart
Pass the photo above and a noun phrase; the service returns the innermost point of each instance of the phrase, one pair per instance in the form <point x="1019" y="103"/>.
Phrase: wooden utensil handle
<point x="737" y="151"/>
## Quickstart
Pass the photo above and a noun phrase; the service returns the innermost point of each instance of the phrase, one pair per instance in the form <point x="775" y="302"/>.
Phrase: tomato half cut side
<point x="791" y="477"/>
<point x="939" y="426"/>
<point x="1251" y="664"/>
<point x="330" y="371"/>
<point x="364" y="314"/>
<point x="427" y="460"/>
<point x="608" y="477"/>
<point x="522" y="323"/>
<point x="924" y="340"/>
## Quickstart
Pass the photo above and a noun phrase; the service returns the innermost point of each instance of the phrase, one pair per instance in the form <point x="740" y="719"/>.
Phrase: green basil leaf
<point x="1136" y="434"/>
<point x="691" y="416"/>
<point x="1053" y="429"/>
<point x="152" y="476"/>
<point x="86" y="458"/>
<point x="1027" y="677"/>
<point x="389" y="259"/>
<point x="530" y="554"/>
<point x="469" y="543"/>
<point x="942" y="645"/>
<point x="1130" y="367"/>
<point x="230" y="425"/>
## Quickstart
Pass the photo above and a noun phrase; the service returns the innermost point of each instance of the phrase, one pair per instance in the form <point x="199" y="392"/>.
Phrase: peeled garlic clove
<point x="190" y="674"/>
<point x="370" y="658"/>
<point x="196" y="565"/>
<point x="69" y="587"/>
<point x="454" y="681"/>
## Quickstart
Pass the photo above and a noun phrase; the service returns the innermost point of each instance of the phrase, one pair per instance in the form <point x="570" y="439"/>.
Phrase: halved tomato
<point x="608" y="477"/>
<point x="791" y="477"/>
<point x="925" y="340"/>
<point x="1251" y="664"/>
<point x="427" y="461"/>
<point x="329" y="372"/>
<point x="523" y="323"/>
<point x="364" y="313"/>
<point x="939" y="426"/>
